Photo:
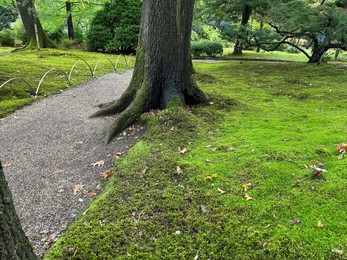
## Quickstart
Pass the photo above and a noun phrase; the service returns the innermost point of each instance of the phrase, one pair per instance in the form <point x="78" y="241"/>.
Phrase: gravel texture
<point x="47" y="150"/>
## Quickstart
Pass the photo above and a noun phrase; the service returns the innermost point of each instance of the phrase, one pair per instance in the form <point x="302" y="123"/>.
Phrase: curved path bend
<point x="48" y="149"/>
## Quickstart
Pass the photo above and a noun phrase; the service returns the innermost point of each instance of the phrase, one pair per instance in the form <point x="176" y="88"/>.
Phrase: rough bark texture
<point x="246" y="14"/>
<point x="318" y="51"/>
<point x="29" y="17"/>
<point x="163" y="69"/>
<point x="70" y="29"/>
<point x="14" y="245"/>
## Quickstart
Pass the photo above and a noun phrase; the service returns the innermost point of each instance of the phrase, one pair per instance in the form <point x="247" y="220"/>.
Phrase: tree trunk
<point x="246" y="14"/>
<point x="70" y="29"/>
<point x="318" y="51"/>
<point x="163" y="69"/>
<point x="261" y="28"/>
<point x="29" y="17"/>
<point x="14" y="245"/>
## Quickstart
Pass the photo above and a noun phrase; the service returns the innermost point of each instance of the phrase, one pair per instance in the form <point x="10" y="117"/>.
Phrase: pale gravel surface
<point x="50" y="146"/>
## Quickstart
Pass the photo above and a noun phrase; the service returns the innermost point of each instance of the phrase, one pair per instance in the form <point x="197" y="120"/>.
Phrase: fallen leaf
<point x="59" y="171"/>
<point x="246" y="186"/>
<point x="264" y="245"/>
<point x="298" y="220"/>
<point x="183" y="151"/>
<point x="98" y="163"/>
<point x="91" y="194"/>
<point x="341" y="155"/>
<point x="247" y="197"/>
<point x="231" y="149"/>
<point x="320" y="224"/>
<point x="144" y="171"/>
<point x="341" y="146"/>
<point x="221" y="191"/>
<point x="7" y="165"/>
<point x="211" y="177"/>
<point x="117" y="155"/>
<point x="78" y="188"/>
<point x="214" y="149"/>
<point x="178" y="170"/>
<point x="291" y="222"/>
<point x="106" y="174"/>
<point x="337" y="251"/>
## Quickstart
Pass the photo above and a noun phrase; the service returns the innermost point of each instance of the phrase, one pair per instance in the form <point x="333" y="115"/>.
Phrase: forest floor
<point x="254" y="174"/>
<point x="53" y="155"/>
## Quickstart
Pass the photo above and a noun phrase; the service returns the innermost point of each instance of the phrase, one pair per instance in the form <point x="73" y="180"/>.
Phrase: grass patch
<point x="227" y="180"/>
<point x="28" y="69"/>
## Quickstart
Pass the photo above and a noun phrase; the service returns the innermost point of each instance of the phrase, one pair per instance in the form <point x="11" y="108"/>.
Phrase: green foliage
<point x="210" y="49"/>
<point x="264" y="123"/>
<point x="8" y="15"/>
<point x="19" y="32"/>
<point x="7" y="38"/>
<point x="115" y="27"/>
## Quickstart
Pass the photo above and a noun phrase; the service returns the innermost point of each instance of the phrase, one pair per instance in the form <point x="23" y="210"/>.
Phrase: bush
<point x="211" y="49"/>
<point x="7" y="38"/>
<point x="115" y="27"/>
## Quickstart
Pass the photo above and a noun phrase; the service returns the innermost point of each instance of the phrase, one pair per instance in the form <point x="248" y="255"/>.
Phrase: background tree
<point x="8" y="15"/>
<point x="302" y="25"/>
<point x="115" y="27"/>
<point x="29" y="18"/>
<point x="163" y="70"/>
<point x="13" y="242"/>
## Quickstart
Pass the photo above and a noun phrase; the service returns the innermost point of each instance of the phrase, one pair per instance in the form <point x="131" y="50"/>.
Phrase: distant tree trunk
<point x="70" y="28"/>
<point x="246" y="14"/>
<point x="261" y="28"/>
<point x="318" y="51"/>
<point x="29" y="17"/>
<point x="163" y="70"/>
<point x="14" y="245"/>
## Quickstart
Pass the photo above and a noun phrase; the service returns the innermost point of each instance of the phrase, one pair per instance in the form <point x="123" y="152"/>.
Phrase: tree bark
<point x="14" y="245"/>
<point x="246" y="14"/>
<point x="70" y="28"/>
<point x="318" y="51"/>
<point x="163" y="70"/>
<point x="29" y="17"/>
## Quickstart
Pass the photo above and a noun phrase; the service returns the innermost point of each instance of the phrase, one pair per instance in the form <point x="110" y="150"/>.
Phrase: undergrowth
<point x="230" y="180"/>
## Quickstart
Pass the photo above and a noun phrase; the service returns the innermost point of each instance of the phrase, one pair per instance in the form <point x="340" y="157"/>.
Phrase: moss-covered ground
<point x="27" y="70"/>
<point x="233" y="179"/>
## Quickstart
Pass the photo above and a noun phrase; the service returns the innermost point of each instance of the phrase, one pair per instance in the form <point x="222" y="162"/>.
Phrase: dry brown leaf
<point x="106" y="174"/>
<point x="341" y="146"/>
<point x="144" y="171"/>
<point x="91" y="194"/>
<point x="178" y="170"/>
<point x="98" y="163"/>
<point x="7" y="165"/>
<point x="78" y="188"/>
<point x="118" y="155"/>
<point x="320" y="224"/>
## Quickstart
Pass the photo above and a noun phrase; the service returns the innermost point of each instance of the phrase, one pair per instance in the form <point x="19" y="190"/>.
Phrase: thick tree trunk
<point x="163" y="71"/>
<point x="246" y="14"/>
<point x="29" y="18"/>
<point x="318" y="51"/>
<point x="14" y="245"/>
<point x="70" y="29"/>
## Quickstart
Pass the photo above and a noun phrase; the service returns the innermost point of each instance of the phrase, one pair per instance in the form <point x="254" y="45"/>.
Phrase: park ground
<point x="254" y="174"/>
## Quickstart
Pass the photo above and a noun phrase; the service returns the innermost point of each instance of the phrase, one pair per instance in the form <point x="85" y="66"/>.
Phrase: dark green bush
<point x="211" y="49"/>
<point x="7" y="38"/>
<point x="115" y="27"/>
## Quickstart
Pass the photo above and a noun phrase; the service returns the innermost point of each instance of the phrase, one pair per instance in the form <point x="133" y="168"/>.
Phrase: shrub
<point x="115" y="27"/>
<point x="7" y="38"/>
<point x="19" y="32"/>
<point x="211" y="49"/>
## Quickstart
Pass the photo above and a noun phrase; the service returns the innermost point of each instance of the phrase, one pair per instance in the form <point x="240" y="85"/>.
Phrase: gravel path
<point x="47" y="150"/>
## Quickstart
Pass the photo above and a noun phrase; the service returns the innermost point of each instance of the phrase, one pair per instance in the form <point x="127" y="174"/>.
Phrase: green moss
<point x="178" y="193"/>
<point x="27" y="68"/>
